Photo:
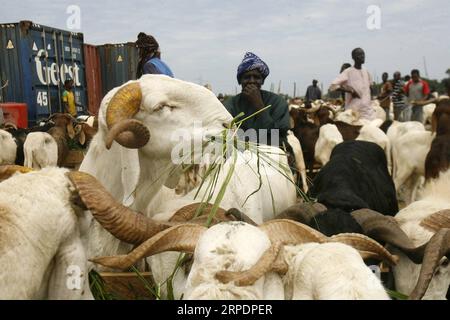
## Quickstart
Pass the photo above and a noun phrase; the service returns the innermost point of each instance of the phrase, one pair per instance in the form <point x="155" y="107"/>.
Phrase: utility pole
<point x="279" y="87"/>
<point x="425" y="67"/>
<point x="295" y="90"/>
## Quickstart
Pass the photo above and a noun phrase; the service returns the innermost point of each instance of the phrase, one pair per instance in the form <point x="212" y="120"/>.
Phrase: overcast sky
<point x="203" y="41"/>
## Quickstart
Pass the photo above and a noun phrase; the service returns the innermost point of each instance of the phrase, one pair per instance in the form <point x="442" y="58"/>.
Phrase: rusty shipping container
<point x="35" y="60"/>
<point x="93" y="78"/>
<point x="118" y="64"/>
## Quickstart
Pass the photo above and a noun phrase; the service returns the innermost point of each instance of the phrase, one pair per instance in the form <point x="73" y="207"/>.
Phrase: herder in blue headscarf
<point x="150" y="57"/>
<point x="251" y="74"/>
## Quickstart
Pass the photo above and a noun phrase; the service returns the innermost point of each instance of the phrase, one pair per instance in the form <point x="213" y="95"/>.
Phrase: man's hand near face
<point x="253" y="95"/>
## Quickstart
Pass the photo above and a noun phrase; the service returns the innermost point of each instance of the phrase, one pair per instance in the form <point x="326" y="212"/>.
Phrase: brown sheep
<point x="438" y="158"/>
<point x="61" y="132"/>
<point x="440" y="122"/>
<point x="85" y="132"/>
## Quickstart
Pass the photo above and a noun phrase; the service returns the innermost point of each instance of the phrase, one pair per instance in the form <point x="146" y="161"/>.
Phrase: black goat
<point x="356" y="177"/>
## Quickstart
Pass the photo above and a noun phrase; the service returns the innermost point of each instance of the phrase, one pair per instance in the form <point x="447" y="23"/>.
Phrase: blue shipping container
<point x="36" y="60"/>
<point x="118" y="64"/>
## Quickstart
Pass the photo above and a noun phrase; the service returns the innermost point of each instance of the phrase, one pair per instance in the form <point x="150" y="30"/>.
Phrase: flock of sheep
<point x="121" y="209"/>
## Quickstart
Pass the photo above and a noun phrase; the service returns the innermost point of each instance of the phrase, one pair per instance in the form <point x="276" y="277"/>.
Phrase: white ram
<point x="329" y="137"/>
<point x="434" y="198"/>
<point x="330" y="271"/>
<point x="41" y="251"/>
<point x="409" y="153"/>
<point x="8" y="148"/>
<point x="40" y="150"/>
<point x="235" y="260"/>
<point x="146" y="117"/>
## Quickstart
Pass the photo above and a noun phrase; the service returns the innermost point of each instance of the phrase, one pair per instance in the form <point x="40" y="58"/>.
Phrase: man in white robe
<point x="355" y="82"/>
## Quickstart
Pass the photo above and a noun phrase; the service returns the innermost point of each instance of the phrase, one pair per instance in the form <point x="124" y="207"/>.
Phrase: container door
<point x="118" y="64"/>
<point x="11" y="69"/>
<point x="57" y="57"/>
<point x="71" y="60"/>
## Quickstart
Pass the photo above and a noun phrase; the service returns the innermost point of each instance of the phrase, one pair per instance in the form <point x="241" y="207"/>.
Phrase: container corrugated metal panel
<point x="118" y="63"/>
<point x="36" y="60"/>
<point x="93" y="78"/>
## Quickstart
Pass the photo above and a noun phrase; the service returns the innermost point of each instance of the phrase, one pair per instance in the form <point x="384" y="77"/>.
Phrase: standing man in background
<point x="313" y="92"/>
<point x="385" y="95"/>
<point x="150" y="57"/>
<point x="398" y="98"/>
<point x="417" y="91"/>
<point x="69" y="98"/>
<point x="356" y="82"/>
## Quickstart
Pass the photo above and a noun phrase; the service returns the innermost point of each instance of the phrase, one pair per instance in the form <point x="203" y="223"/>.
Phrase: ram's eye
<point x="164" y="106"/>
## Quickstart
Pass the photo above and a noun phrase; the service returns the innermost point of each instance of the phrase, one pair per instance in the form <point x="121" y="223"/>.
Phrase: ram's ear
<point x="130" y="172"/>
<point x="82" y="138"/>
<point x="70" y="130"/>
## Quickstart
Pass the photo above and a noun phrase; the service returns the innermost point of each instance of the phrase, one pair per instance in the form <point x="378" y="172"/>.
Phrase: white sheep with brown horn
<point x="420" y="221"/>
<point x="131" y="154"/>
<point x="235" y="260"/>
<point x="419" y="235"/>
<point x="43" y="232"/>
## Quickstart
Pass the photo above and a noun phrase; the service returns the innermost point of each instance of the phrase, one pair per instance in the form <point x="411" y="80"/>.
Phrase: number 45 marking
<point x="42" y="99"/>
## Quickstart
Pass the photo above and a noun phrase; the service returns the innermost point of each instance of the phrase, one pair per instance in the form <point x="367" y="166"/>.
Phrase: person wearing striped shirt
<point x="398" y="99"/>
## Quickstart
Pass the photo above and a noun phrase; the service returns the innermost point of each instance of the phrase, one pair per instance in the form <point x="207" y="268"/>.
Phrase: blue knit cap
<point x="251" y="62"/>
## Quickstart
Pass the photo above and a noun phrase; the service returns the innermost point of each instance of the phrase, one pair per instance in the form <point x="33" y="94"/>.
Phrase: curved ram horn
<point x="303" y="212"/>
<point x="319" y="207"/>
<point x="290" y="232"/>
<point x="6" y="171"/>
<point x="273" y="260"/>
<point x="250" y="276"/>
<point x="438" y="246"/>
<point x="187" y="213"/>
<point x="120" y="221"/>
<point x="366" y="246"/>
<point x="128" y="132"/>
<point x="437" y="221"/>
<point x="385" y="229"/>
<point x="178" y="238"/>
<point x="9" y="125"/>
<point x="239" y="216"/>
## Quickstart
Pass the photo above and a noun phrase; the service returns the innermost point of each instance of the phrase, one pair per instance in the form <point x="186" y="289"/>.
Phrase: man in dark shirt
<point x="269" y="126"/>
<point x="313" y="92"/>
